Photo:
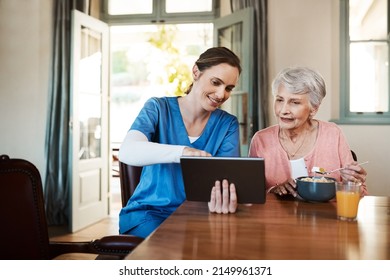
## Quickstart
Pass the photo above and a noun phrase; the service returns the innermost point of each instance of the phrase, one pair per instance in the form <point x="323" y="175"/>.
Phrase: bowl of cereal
<point x="316" y="188"/>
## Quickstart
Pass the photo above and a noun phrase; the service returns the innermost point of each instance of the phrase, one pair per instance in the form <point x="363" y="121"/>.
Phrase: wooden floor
<point x="107" y="226"/>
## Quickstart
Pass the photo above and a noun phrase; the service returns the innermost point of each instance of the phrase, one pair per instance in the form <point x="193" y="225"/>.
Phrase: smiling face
<point x="214" y="85"/>
<point x="292" y="110"/>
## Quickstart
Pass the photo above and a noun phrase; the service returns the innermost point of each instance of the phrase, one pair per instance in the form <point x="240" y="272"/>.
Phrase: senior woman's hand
<point x="356" y="173"/>
<point x="223" y="199"/>
<point x="288" y="187"/>
<point x="353" y="172"/>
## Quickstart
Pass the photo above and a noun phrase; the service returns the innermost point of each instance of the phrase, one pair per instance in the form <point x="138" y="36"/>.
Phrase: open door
<point x="235" y="32"/>
<point x="89" y="110"/>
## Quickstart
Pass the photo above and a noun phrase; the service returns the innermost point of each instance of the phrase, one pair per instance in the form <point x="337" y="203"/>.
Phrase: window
<point x="149" y="41"/>
<point x="158" y="11"/>
<point x="150" y="60"/>
<point x="364" y="95"/>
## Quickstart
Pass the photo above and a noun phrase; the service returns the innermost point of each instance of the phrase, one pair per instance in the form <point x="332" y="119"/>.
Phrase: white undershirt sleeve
<point x="138" y="151"/>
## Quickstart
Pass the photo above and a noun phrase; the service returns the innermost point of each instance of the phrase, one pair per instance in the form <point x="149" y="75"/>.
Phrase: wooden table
<point x="278" y="229"/>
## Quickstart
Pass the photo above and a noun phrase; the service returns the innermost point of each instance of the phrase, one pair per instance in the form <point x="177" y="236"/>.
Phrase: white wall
<point x="25" y="41"/>
<point x="303" y="32"/>
<point x="306" y="32"/>
<point x="300" y="33"/>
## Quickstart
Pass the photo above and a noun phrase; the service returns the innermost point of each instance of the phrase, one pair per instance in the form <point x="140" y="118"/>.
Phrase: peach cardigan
<point x="331" y="151"/>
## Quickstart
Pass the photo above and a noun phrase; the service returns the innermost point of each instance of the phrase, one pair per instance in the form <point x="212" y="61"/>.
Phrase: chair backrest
<point x="129" y="177"/>
<point x="354" y="155"/>
<point x="24" y="231"/>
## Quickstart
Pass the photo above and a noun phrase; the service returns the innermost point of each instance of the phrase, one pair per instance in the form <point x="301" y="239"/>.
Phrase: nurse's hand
<point x="195" y="152"/>
<point x="223" y="199"/>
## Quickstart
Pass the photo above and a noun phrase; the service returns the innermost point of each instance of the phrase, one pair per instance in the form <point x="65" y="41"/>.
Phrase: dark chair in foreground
<point x="129" y="177"/>
<point x="24" y="231"/>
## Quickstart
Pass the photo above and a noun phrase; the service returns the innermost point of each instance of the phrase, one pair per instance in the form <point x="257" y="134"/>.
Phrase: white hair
<point x="301" y="80"/>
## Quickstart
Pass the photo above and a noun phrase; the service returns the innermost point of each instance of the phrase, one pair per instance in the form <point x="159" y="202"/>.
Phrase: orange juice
<point x="347" y="204"/>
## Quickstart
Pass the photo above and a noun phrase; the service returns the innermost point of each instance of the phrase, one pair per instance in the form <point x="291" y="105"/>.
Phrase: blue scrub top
<point x="161" y="188"/>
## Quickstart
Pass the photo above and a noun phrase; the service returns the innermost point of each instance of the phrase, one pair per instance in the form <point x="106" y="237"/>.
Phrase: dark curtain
<point x="57" y="149"/>
<point x="260" y="98"/>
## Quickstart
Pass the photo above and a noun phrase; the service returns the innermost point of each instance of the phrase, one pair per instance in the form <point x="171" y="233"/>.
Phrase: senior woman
<point x="298" y="142"/>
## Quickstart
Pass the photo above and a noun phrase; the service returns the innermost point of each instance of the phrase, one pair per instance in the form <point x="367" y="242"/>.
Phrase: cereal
<point x="317" y="179"/>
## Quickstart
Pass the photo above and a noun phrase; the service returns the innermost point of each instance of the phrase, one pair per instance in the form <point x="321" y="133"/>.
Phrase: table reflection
<point x="373" y="224"/>
<point x="278" y="229"/>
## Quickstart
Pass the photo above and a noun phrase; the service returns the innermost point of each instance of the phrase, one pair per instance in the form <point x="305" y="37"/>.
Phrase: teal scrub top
<point x="161" y="188"/>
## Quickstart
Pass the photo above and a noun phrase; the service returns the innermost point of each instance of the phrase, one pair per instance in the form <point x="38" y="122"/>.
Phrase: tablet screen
<point x="200" y="174"/>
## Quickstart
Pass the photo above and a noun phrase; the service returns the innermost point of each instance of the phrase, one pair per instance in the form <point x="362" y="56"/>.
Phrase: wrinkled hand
<point x="353" y="172"/>
<point x="288" y="187"/>
<point x="356" y="173"/>
<point x="195" y="152"/>
<point x="223" y="200"/>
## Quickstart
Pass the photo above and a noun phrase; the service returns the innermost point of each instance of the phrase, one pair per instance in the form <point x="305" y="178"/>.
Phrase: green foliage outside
<point x="176" y="76"/>
<point x="119" y="62"/>
<point x="177" y="73"/>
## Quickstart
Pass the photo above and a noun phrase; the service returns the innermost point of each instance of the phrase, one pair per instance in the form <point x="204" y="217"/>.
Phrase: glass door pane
<point x="90" y="94"/>
<point x="231" y="38"/>
<point x="234" y="32"/>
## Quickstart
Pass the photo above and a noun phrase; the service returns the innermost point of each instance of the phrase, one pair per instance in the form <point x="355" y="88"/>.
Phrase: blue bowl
<point x="313" y="188"/>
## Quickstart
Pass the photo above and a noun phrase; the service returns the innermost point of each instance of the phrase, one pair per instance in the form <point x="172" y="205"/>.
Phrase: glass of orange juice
<point x="347" y="197"/>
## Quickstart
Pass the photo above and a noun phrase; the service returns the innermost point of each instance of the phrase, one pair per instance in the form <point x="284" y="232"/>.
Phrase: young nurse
<point x="170" y="127"/>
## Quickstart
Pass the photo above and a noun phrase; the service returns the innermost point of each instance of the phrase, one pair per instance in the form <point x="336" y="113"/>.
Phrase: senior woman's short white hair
<point x="301" y="80"/>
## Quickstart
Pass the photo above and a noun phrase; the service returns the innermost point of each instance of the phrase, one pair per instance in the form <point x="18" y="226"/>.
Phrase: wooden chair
<point x="129" y="177"/>
<point x="23" y="221"/>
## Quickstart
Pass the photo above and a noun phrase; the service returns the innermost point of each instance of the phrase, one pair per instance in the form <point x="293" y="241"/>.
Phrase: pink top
<point x="330" y="151"/>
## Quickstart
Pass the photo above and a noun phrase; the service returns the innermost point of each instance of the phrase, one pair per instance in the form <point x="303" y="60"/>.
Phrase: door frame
<point x="90" y="182"/>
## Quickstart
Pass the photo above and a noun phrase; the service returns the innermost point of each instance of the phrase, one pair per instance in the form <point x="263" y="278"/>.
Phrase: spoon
<point x="321" y="170"/>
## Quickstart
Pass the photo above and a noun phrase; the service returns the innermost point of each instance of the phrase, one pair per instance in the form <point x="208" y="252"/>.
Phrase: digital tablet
<point x="247" y="174"/>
